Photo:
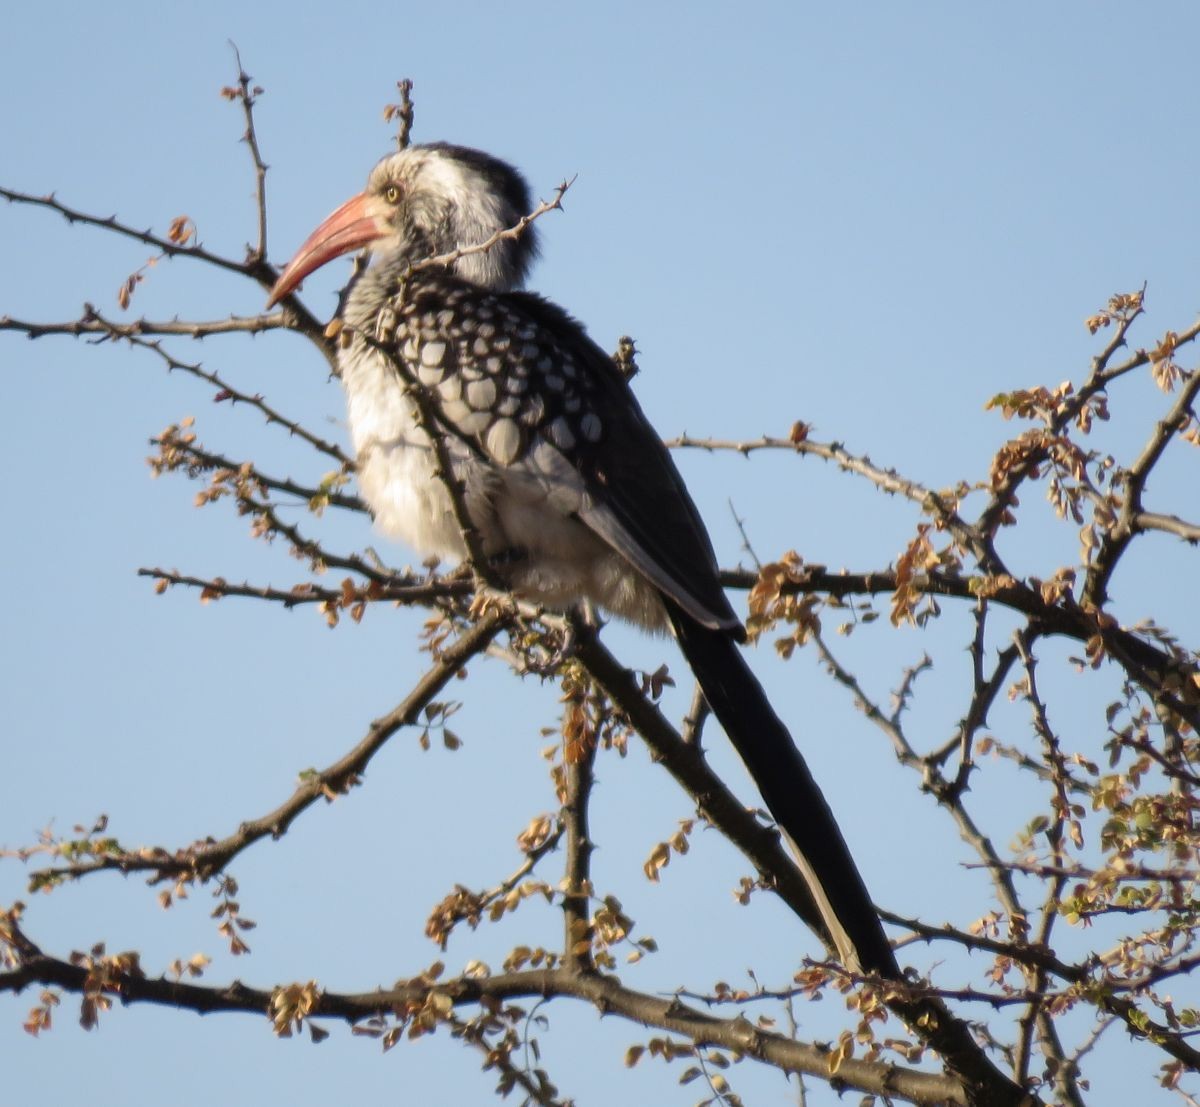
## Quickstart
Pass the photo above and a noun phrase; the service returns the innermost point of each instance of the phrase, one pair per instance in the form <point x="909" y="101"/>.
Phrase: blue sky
<point x="872" y="218"/>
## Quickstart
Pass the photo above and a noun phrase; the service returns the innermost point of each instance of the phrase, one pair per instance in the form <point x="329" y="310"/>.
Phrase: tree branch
<point x="948" y="1036"/>
<point x="91" y="323"/>
<point x="206" y="858"/>
<point x="248" y="97"/>
<point x="579" y="754"/>
<point x="603" y="992"/>
<point x="1116" y="541"/>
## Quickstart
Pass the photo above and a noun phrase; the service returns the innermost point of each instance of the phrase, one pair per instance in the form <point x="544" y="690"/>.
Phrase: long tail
<point x="791" y="794"/>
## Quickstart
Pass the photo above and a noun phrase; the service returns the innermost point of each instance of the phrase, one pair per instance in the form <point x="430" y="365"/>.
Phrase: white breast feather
<point x="532" y="506"/>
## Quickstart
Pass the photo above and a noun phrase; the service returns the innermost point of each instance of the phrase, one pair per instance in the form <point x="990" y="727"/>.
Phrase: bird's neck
<point x="497" y="270"/>
<point x="373" y="285"/>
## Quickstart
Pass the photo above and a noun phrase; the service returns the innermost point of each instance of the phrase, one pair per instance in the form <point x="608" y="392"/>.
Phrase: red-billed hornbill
<point x="563" y="478"/>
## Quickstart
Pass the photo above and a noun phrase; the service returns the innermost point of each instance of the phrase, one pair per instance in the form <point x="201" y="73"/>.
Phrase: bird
<point x="571" y="494"/>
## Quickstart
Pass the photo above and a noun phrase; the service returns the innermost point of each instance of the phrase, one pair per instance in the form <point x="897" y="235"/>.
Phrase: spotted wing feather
<point x="520" y="383"/>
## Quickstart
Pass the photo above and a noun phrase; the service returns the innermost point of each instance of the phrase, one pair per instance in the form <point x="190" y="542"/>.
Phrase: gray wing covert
<point x="521" y="384"/>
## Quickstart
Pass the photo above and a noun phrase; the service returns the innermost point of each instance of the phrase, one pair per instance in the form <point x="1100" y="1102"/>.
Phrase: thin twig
<point x="91" y="323"/>
<point x="204" y="859"/>
<point x="932" y="781"/>
<point x="200" y="460"/>
<point x="886" y="480"/>
<point x="111" y="223"/>
<point x="1116" y="541"/>
<point x="257" y="270"/>
<point x="445" y="261"/>
<point x="740" y="523"/>
<point x="501" y="1059"/>
<point x="403" y="588"/>
<point x="249" y="97"/>
<point x="1036" y="1014"/>
<point x="463" y="904"/>
<point x="1170" y="524"/>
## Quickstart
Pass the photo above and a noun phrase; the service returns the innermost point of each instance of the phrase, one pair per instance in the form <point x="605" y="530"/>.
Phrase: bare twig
<point x="445" y="261"/>
<point x="206" y="858"/>
<point x="403" y="588"/>
<point x="111" y="223"/>
<point x="740" y="523"/>
<point x="1116" y="541"/>
<point x="1171" y="524"/>
<point x="932" y="781"/>
<point x="256" y="268"/>
<point x="196" y="459"/>
<point x="1036" y="1012"/>
<point x="91" y="323"/>
<point x="402" y="113"/>
<point x="886" y="480"/>
<point x="248" y="97"/>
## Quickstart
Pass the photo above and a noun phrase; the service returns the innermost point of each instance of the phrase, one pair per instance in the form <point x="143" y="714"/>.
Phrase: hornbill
<point x="569" y="490"/>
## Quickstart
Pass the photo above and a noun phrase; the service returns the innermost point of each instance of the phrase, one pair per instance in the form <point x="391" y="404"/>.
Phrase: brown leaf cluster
<point x="291" y="1004"/>
<point x="773" y="600"/>
<point x="660" y="855"/>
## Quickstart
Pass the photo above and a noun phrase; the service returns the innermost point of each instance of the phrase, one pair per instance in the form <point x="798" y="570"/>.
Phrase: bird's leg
<point x="558" y="642"/>
<point x="583" y="622"/>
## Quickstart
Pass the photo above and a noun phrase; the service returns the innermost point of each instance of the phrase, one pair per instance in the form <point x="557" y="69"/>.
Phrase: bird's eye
<point x="392" y="194"/>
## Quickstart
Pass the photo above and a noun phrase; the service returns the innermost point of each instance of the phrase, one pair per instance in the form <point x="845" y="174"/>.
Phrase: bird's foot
<point x="553" y="641"/>
<point x="580" y="624"/>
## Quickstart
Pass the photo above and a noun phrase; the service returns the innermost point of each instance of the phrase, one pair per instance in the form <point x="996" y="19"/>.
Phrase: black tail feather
<point x="790" y="793"/>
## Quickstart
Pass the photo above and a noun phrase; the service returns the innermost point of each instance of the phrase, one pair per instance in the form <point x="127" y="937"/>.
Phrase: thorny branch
<point x="403" y="589"/>
<point x="886" y="480"/>
<point x="433" y="1000"/>
<point x="178" y="449"/>
<point x="248" y="97"/>
<point x="579" y="754"/>
<point x="1036" y="1016"/>
<point x="933" y="781"/>
<point x="944" y="1033"/>
<point x="92" y="322"/>
<point x="509" y="234"/>
<point x="204" y="859"/>
<point x="114" y="226"/>
<point x="1129" y="520"/>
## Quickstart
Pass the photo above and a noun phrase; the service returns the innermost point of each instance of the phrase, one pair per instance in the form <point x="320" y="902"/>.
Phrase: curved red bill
<point x="349" y="228"/>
